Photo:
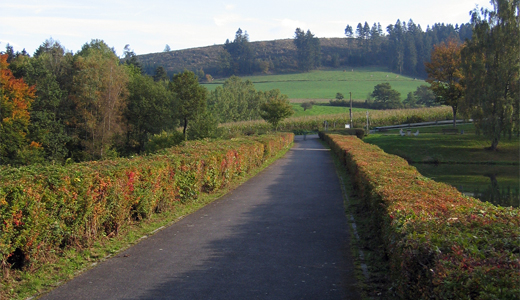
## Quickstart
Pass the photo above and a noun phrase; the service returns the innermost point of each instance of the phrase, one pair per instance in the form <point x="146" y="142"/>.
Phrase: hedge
<point x="49" y="208"/>
<point x="440" y="243"/>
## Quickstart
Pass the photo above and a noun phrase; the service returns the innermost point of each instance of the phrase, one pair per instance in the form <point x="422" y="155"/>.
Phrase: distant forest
<point x="403" y="49"/>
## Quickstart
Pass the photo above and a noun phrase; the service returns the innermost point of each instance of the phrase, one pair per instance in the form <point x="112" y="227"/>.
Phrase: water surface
<point x="497" y="184"/>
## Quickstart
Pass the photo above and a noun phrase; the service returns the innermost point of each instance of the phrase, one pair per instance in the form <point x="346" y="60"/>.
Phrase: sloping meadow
<point x="440" y="243"/>
<point x="48" y="208"/>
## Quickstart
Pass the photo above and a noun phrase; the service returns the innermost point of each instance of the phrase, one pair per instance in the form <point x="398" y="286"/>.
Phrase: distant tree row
<point x="58" y="105"/>
<point x="404" y="49"/>
<point x="385" y="97"/>
<point x="481" y="76"/>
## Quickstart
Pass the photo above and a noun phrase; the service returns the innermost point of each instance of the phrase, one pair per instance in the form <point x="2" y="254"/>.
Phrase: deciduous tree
<point x="445" y="75"/>
<point x="276" y="108"/>
<point x="491" y="64"/>
<point x="16" y="98"/>
<point x="45" y="128"/>
<point x="386" y="97"/>
<point x="306" y="105"/>
<point x="190" y="97"/>
<point x="425" y="96"/>
<point x="99" y="95"/>
<point x="149" y="109"/>
<point x="236" y="100"/>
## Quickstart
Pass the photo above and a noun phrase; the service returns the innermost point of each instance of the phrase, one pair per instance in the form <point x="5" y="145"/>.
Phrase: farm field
<point x="324" y="84"/>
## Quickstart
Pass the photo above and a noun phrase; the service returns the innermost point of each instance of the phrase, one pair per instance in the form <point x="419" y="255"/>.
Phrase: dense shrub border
<point x="51" y="208"/>
<point x="440" y="243"/>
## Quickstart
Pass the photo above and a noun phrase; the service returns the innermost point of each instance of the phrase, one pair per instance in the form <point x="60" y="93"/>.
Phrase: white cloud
<point x="293" y="24"/>
<point x="39" y="8"/>
<point x="226" y="19"/>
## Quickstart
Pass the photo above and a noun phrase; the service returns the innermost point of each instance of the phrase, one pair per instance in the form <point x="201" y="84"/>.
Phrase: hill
<point x="403" y="50"/>
<point x="281" y="53"/>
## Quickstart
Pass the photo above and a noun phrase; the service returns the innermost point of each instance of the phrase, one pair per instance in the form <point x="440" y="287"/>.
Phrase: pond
<point x="496" y="184"/>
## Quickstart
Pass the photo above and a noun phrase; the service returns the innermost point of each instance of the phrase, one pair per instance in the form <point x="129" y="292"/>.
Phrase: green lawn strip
<point x="57" y="268"/>
<point x="431" y="146"/>
<point x="377" y="284"/>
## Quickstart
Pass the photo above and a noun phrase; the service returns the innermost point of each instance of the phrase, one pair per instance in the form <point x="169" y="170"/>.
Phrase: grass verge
<point x="431" y="146"/>
<point x="57" y="269"/>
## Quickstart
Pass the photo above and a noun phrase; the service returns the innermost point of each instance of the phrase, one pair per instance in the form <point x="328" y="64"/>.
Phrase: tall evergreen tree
<point x="308" y="50"/>
<point x="241" y="53"/>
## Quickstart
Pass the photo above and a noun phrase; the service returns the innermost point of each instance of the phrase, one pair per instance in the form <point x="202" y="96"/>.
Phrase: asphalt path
<point x="281" y="235"/>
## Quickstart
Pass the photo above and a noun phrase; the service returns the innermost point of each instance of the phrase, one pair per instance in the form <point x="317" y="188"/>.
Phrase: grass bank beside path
<point x="324" y="84"/>
<point x="431" y="146"/>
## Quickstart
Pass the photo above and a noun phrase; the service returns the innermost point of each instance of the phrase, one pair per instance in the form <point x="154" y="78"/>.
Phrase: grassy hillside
<point x="324" y="84"/>
<point x="281" y="52"/>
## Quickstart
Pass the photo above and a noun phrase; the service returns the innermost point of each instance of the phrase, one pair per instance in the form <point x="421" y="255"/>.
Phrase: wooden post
<point x="350" y="109"/>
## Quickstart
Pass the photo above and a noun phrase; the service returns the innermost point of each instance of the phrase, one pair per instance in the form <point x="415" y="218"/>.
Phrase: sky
<point x="148" y="26"/>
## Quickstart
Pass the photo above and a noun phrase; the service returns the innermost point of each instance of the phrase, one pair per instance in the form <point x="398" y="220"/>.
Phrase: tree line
<point x="404" y="49"/>
<point x="57" y="105"/>
<point x="481" y="77"/>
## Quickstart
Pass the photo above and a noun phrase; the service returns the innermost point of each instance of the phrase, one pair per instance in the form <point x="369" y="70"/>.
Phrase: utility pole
<point x="350" y="109"/>
<point x="367" y="124"/>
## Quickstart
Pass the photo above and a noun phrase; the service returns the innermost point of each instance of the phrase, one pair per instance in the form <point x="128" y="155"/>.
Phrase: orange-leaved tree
<point x="445" y="75"/>
<point x="15" y="101"/>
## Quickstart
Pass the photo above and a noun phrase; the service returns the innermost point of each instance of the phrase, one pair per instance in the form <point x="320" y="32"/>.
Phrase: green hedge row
<point x="48" y="208"/>
<point x="440" y="243"/>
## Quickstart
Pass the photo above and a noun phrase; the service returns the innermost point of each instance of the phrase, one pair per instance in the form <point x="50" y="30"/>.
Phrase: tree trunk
<point x="454" y="108"/>
<point x="494" y="144"/>
<point x="184" y="129"/>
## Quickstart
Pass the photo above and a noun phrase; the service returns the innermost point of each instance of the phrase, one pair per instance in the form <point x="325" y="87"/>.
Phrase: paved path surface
<point x="281" y="235"/>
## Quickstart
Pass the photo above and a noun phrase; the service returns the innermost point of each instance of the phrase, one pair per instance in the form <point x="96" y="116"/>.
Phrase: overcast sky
<point x="149" y="25"/>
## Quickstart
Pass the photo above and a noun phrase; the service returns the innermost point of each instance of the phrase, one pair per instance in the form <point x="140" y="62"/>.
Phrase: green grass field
<point x="431" y="145"/>
<point x="324" y="84"/>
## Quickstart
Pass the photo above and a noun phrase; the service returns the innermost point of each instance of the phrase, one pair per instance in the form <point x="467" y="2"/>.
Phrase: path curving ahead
<point x="281" y="235"/>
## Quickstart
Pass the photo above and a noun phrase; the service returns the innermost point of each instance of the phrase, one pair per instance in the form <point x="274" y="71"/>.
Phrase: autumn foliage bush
<point x="49" y="208"/>
<point x="440" y="243"/>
